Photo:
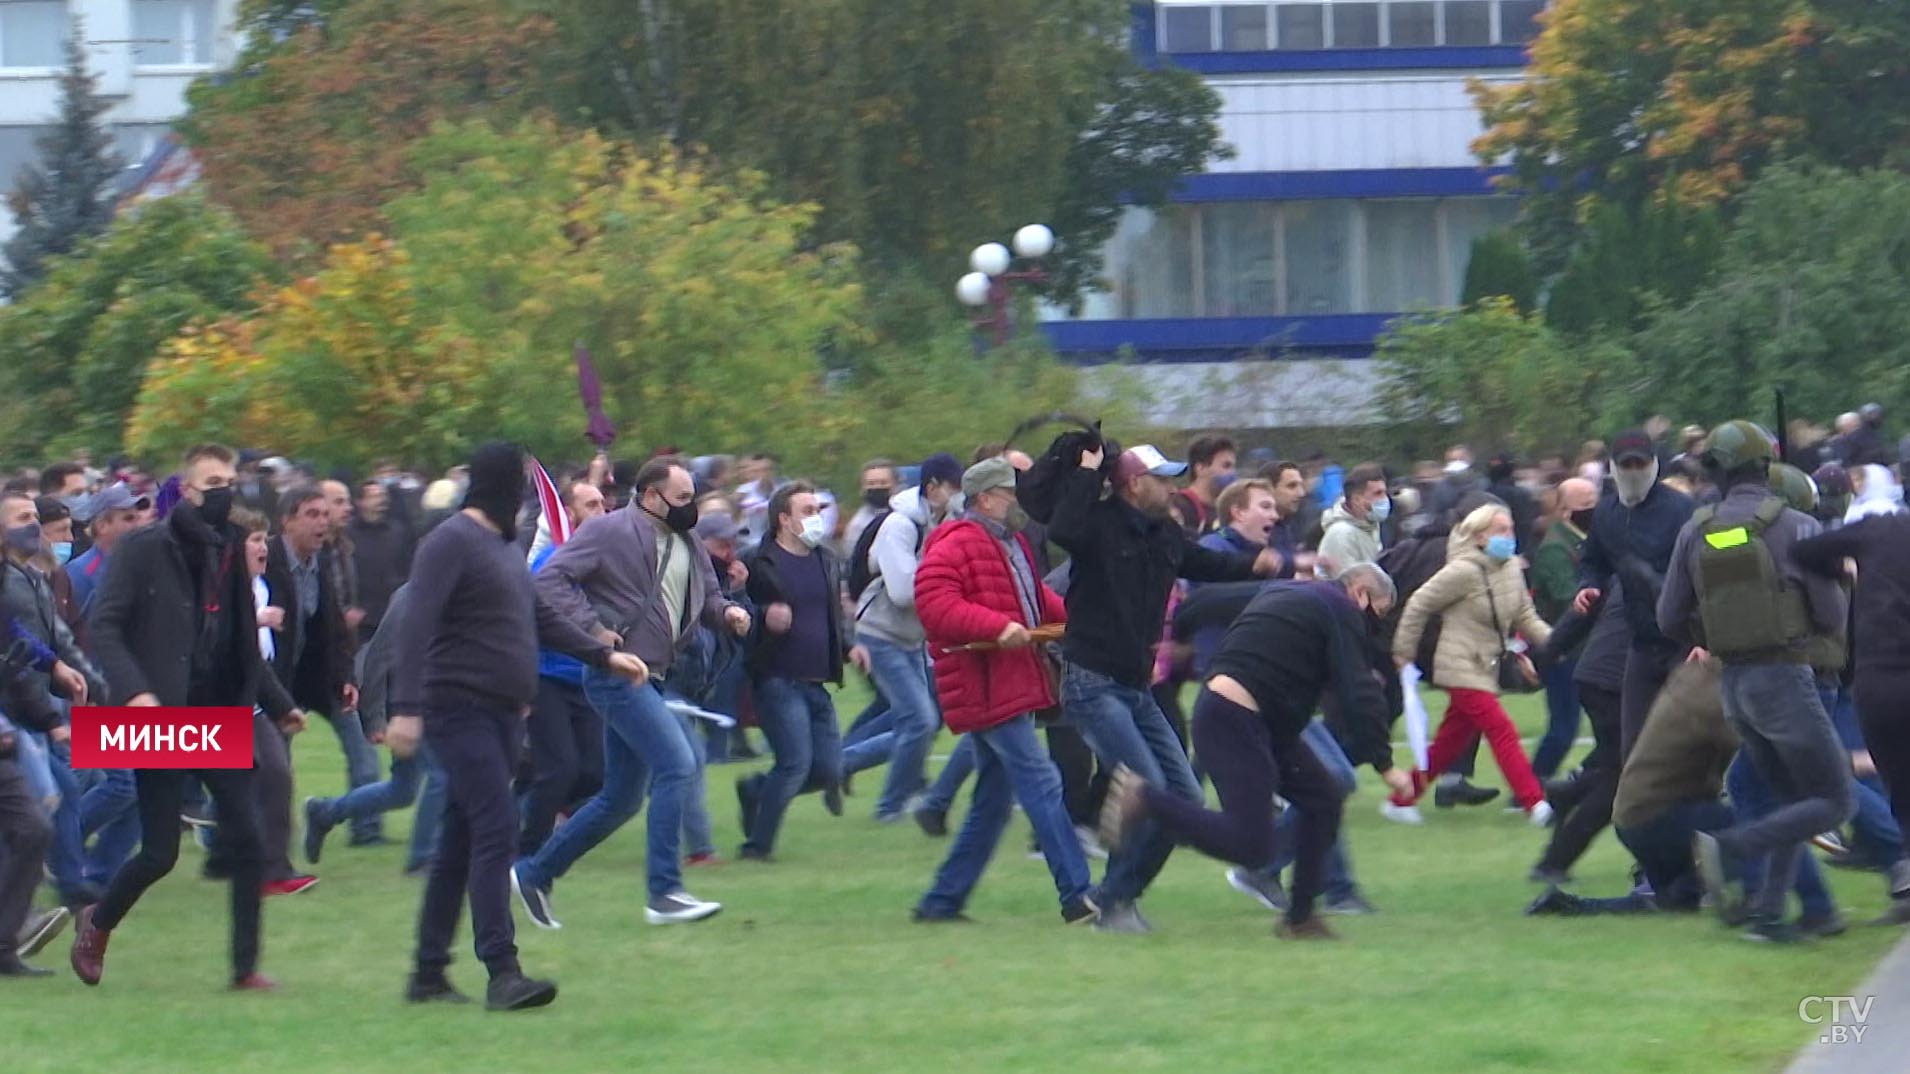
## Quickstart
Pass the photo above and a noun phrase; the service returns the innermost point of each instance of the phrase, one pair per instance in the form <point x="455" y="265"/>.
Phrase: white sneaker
<point x="679" y="906"/>
<point x="1541" y="814"/>
<point x="1090" y="843"/>
<point x="1401" y="814"/>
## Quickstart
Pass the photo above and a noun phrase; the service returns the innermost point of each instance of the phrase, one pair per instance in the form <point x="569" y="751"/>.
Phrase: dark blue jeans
<point x="66" y="858"/>
<point x="1562" y="720"/>
<point x="1662" y="848"/>
<point x="109" y="816"/>
<point x="1125" y="726"/>
<point x="902" y="674"/>
<point x="799" y="719"/>
<point x="409" y="776"/>
<point x="645" y="746"/>
<point x="960" y="765"/>
<point x="1011" y="765"/>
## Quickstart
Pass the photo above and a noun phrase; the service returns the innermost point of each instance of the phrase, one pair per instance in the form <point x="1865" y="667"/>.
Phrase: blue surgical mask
<point x="62" y="551"/>
<point x="1501" y="547"/>
<point x="1383" y="510"/>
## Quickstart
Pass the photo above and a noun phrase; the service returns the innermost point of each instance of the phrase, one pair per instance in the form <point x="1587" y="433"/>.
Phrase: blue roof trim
<point x="1350" y="59"/>
<point x="1199" y="339"/>
<point x="1373" y="183"/>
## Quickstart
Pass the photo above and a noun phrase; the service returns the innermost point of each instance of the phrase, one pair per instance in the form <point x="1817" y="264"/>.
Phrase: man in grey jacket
<point x="638" y="579"/>
<point x="1732" y="588"/>
<point x="886" y="626"/>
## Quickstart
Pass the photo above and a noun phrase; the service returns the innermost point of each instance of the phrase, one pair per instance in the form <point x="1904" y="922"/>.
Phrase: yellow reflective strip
<point x="1731" y="538"/>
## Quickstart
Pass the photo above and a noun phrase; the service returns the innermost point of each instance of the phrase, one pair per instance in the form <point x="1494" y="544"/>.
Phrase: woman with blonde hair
<point x="1482" y="600"/>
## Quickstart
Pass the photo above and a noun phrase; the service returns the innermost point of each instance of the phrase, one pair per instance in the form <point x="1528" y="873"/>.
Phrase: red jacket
<point x="964" y="593"/>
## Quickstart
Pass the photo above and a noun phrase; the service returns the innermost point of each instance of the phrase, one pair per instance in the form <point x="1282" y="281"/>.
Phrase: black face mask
<point x="1583" y="519"/>
<point x="680" y="517"/>
<point x="877" y="499"/>
<point x="497" y="486"/>
<point x="217" y="507"/>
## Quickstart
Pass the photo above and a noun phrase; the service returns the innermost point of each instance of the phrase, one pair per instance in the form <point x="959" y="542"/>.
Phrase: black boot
<point x="432" y="988"/>
<point x="513" y="991"/>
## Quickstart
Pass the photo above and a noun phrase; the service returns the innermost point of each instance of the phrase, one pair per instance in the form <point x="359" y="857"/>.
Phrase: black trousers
<point x="272" y="790"/>
<point x="1589" y="810"/>
<point x="1249" y="764"/>
<point x="1082" y="787"/>
<point x="1646" y="669"/>
<point x="567" y="758"/>
<point x="25" y="835"/>
<point x="1883" y="712"/>
<point x="477" y="748"/>
<point x="161" y="792"/>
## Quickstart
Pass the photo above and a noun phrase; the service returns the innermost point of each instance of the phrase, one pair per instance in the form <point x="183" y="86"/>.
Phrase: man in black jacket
<point x="1294" y="643"/>
<point x="381" y="553"/>
<point x="173" y="624"/>
<point x="24" y="830"/>
<point x="1127" y="552"/>
<point x="313" y="655"/>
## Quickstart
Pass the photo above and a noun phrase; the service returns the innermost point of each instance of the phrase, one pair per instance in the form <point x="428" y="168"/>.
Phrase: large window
<point x="173" y="32"/>
<point x="33" y="33"/>
<point x="1307" y="25"/>
<point x="1294" y="258"/>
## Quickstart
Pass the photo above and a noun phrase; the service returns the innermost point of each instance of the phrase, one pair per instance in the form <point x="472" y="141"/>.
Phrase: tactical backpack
<point x="1744" y="606"/>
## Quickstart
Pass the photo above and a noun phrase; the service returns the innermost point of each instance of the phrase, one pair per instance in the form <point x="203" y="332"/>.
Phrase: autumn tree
<point x="67" y="195"/>
<point x="312" y="132"/>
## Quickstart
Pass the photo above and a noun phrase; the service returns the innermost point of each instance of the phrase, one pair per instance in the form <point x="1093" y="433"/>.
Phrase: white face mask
<point x="1635" y="485"/>
<point x="1382" y="510"/>
<point x="813" y="530"/>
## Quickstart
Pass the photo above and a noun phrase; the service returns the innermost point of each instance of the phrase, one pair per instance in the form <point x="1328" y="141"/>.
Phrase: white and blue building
<point x="1352" y="197"/>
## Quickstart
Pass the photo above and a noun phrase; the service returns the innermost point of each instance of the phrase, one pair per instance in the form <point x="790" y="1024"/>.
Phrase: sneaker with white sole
<point x="678" y="907"/>
<point x="1090" y="843"/>
<point x="1401" y="814"/>
<point x="535" y="900"/>
<point x="1259" y="887"/>
<point x="1540" y="814"/>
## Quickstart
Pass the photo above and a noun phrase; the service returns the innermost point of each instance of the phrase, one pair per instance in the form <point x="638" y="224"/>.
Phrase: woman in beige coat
<point x="1479" y="578"/>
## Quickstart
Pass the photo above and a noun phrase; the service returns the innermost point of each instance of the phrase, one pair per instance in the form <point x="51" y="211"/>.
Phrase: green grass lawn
<point x="814" y="966"/>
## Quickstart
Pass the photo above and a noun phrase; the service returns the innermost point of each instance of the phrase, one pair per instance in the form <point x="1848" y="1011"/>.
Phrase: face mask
<point x="1017" y="519"/>
<point x="217" y="507"/>
<point x="25" y="539"/>
<point x="1383" y="510"/>
<point x="813" y="529"/>
<point x="1221" y="482"/>
<point x="76" y="505"/>
<point x="62" y="551"/>
<point x="1501" y="547"/>
<point x="877" y="499"/>
<point x="1583" y="519"/>
<point x="1635" y="485"/>
<point x="681" y="518"/>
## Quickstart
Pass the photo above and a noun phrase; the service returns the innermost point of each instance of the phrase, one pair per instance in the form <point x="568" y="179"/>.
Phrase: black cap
<point x="941" y="467"/>
<point x="1633" y="444"/>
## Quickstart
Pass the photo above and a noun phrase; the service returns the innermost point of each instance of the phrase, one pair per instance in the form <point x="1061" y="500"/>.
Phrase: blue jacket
<point x="1225" y="539"/>
<point x="1634" y="544"/>
<point x="552" y="664"/>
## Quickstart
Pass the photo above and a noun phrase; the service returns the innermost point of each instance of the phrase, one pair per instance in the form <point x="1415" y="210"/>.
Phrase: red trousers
<point x="1470" y="712"/>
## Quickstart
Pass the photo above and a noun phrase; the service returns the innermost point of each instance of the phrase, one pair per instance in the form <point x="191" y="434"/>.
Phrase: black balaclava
<point x="497" y="485"/>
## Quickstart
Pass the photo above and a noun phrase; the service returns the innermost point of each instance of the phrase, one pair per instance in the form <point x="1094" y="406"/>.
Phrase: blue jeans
<point x="1751" y="798"/>
<point x="1339" y="869"/>
<point x="361" y="768"/>
<point x="902" y="674"/>
<point x="1011" y="765"/>
<point x="644" y="746"/>
<point x="799" y="719"/>
<point x="1124" y="725"/>
<point x="1562" y="719"/>
<point x="109" y="816"/>
<point x="409" y="776"/>
<point x="1662" y="847"/>
<point x="66" y="858"/>
<point x="874" y="719"/>
<point x="940" y="797"/>
<point x="698" y="836"/>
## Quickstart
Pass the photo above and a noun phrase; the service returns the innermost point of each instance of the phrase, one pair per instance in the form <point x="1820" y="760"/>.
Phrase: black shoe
<point x="432" y="990"/>
<point x="1556" y="903"/>
<point x="1462" y="793"/>
<point x="419" y="868"/>
<point x="750" y="853"/>
<point x="1548" y="876"/>
<point x="922" y="917"/>
<point x="11" y="966"/>
<point x="215" y="869"/>
<point x="81" y="894"/>
<point x="1897" y="913"/>
<point x="748" y="793"/>
<point x="832" y="798"/>
<point x="1261" y="887"/>
<point x="1822" y="926"/>
<point x="1724" y="899"/>
<point x="933" y="822"/>
<point x="1566" y="791"/>
<point x="515" y="992"/>
<point x="375" y="839"/>
<point x="40" y="930"/>
<point x="316" y="828"/>
<point x="1769" y="930"/>
<point x="1080" y="911"/>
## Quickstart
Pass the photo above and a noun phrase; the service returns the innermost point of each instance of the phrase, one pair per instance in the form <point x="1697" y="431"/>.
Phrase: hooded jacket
<point x="1347" y="540"/>
<point x="1881" y="495"/>
<point x="886" y="610"/>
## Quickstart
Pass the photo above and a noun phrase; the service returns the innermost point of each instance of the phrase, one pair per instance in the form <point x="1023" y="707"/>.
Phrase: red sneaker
<point x="255" y="982"/>
<point x="290" y="885"/>
<point x="89" y="948"/>
<point x="707" y="857"/>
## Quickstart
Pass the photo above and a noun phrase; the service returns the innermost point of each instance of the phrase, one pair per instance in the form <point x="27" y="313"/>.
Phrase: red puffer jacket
<point x="965" y="593"/>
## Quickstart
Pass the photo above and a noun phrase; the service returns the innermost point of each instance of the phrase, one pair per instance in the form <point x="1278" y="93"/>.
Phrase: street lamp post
<point x="988" y="288"/>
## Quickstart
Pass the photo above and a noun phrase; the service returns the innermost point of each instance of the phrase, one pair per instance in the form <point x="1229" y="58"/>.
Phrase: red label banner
<point x="180" y="737"/>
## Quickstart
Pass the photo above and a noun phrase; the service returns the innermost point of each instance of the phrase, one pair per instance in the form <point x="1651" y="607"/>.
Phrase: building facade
<point x="1352" y="196"/>
<point x="144" y="54"/>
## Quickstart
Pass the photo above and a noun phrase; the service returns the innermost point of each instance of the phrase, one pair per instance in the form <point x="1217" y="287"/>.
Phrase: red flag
<point x="549" y="501"/>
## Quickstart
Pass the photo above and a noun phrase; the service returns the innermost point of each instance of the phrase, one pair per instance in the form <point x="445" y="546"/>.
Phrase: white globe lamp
<point x="991" y="259"/>
<point x="1035" y="240"/>
<point x="972" y="289"/>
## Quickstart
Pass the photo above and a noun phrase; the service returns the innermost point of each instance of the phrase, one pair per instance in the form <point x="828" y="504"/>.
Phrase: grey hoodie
<point x="1348" y="540"/>
<point x="886" y="610"/>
